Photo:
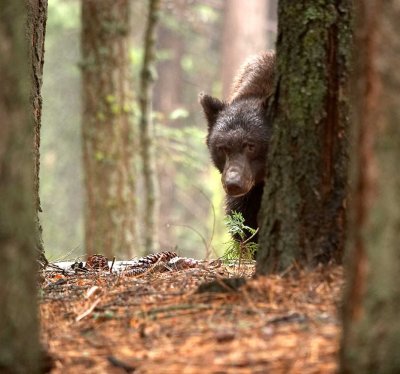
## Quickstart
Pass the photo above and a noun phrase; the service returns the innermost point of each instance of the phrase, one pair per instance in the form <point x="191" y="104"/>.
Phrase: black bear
<point x="239" y="133"/>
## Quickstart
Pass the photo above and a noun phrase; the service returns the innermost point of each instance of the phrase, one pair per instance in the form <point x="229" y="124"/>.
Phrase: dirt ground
<point x="99" y="322"/>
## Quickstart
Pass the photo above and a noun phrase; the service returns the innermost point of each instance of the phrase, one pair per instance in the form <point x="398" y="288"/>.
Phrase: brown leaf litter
<point x="97" y="322"/>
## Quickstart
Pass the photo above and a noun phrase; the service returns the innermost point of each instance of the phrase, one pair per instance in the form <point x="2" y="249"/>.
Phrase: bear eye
<point x="250" y="147"/>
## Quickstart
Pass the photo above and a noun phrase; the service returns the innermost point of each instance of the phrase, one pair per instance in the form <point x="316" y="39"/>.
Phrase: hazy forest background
<point x="199" y="46"/>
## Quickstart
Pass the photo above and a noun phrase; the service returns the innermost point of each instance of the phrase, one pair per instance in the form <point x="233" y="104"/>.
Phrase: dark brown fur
<point x="239" y="133"/>
<point x="255" y="77"/>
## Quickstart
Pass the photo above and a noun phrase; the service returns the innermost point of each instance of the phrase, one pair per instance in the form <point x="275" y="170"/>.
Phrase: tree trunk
<point x="147" y="133"/>
<point x="272" y="23"/>
<point x="168" y="96"/>
<point x="36" y="31"/>
<point x="244" y="34"/>
<point x="19" y="347"/>
<point x="302" y="213"/>
<point x="107" y="132"/>
<point x="169" y="86"/>
<point x="371" y="337"/>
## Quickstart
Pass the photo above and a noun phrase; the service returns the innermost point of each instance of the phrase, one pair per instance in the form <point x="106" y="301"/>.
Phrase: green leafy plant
<point x="240" y="246"/>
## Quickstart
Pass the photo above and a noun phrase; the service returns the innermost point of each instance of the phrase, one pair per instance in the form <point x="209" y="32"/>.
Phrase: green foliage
<point x="239" y="247"/>
<point x="179" y="113"/>
<point x="64" y="15"/>
<point x="206" y="13"/>
<point x="180" y="145"/>
<point x="187" y="63"/>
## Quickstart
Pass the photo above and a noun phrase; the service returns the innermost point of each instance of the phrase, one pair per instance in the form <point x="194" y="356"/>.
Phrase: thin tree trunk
<point x="244" y="34"/>
<point x="146" y="131"/>
<point x="371" y="337"/>
<point x="36" y="31"/>
<point x="107" y="131"/>
<point x="169" y="86"/>
<point x="302" y="214"/>
<point x="168" y="96"/>
<point x="19" y="340"/>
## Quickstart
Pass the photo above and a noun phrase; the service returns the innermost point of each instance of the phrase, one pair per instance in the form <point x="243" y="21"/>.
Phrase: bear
<point x="239" y="133"/>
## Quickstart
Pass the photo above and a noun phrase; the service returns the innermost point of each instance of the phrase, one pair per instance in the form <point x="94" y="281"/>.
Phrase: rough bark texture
<point x="108" y="141"/>
<point x="303" y="203"/>
<point x="371" y="338"/>
<point x="146" y="131"/>
<point x="244" y="34"/>
<point x="36" y="31"/>
<point x="19" y="341"/>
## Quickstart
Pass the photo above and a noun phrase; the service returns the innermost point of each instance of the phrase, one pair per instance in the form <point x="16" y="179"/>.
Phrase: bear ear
<point x="211" y="107"/>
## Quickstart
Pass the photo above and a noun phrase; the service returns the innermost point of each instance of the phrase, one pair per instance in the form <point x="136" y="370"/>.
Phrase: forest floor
<point x="100" y="322"/>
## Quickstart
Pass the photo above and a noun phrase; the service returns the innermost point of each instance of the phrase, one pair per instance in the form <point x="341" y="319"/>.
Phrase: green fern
<point x="239" y="247"/>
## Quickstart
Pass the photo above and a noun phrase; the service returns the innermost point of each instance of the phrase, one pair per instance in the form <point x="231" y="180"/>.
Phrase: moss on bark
<point x="302" y="218"/>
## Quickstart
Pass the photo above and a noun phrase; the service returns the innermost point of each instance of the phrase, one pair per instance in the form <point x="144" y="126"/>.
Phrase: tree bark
<point x="168" y="95"/>
<point x="272" y="23"/>
<point x="36" y="31"/>
<point x="107" y="132"/>
<point x="244" y="34"/>
<point x="169" y="85"/>
<point x="19" y="348"/>
<point x="302" y="213"/>
<point x="146" y="131"/>
<point x="371" y="336"/>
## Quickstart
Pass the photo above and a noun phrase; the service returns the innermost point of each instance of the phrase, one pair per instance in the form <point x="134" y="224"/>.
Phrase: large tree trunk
<point x="302" y="214"/>
<point x="371" y="338"/>
<point x="108" y="141"/>
<point x="36" y="31"/>
<point x="147" y="133"/>
<point x="19" y="341"/>
<point x="244" y="33"/>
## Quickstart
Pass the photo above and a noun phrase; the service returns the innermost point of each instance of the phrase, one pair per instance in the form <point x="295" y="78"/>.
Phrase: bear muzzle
<point x="236" y="183"/>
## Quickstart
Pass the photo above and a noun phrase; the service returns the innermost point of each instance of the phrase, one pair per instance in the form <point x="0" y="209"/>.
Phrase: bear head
<point x="238" y="135"/>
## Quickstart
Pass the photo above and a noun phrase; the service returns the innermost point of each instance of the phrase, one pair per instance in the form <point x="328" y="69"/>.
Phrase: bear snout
<point x="235" y="183"/>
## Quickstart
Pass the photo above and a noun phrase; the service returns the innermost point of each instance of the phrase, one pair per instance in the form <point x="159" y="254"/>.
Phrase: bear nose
<point x="233" y="184"/>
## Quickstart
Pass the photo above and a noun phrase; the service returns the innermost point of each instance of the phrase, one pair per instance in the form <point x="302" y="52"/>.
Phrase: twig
<point x="88" y="311"/>
<point x="112" y="265"/>
<point x="251" y="237"/>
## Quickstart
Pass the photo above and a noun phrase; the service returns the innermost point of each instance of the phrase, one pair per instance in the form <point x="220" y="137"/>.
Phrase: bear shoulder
<point x="255" y="77"/>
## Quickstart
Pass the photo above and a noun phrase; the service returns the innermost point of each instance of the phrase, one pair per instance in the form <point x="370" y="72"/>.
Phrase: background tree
<point x="36" y="31"/>
<point x="18" y="312"/>
<point x="272" y="23"/>
<point x="107" y="133"/>
<point x="371" y="336"/>
<point x="168" y="98"/>
<point x="303" y="202"/>
<point x="241" y="38"/>
<point x="146" y="131"/>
